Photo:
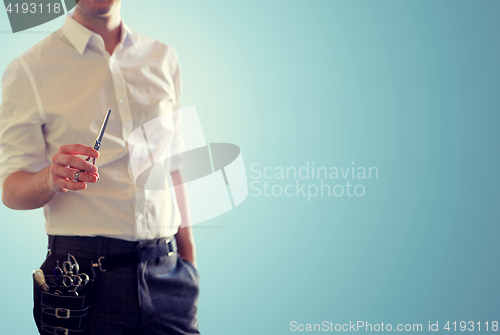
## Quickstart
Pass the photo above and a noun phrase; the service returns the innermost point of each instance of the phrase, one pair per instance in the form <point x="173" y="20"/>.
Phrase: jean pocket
<point x="191" y="267"/>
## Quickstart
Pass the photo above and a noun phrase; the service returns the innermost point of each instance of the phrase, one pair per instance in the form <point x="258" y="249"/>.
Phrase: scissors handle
<point x="88" y="160"/>
<point x="97" y="145"/>
<point x="100" y="134"/>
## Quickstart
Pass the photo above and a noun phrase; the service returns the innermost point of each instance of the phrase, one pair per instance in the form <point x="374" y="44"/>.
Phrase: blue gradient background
<point x="411" y="87"/>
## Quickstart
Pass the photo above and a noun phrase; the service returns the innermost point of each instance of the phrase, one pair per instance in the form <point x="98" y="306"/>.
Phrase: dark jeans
<point x="155" y="297"/>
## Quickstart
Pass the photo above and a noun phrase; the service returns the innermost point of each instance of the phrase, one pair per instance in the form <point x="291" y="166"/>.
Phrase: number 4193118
<point x="469" y="326"/>
<point x="33" y="8"/>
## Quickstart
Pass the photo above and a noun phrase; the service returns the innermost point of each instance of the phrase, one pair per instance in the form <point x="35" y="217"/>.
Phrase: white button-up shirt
<point x="57" y="93"/>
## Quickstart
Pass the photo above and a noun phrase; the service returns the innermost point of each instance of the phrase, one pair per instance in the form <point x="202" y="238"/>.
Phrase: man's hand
<point x="65" y="165"/>
<point x="25" y="190"/>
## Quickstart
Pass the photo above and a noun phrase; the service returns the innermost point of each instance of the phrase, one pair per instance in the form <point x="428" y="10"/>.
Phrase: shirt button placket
<point x="127" y="122"/>
<point x="121" y="97"/>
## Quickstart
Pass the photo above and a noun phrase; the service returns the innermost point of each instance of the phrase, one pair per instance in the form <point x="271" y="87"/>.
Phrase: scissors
<point x="70" y="274"/>
<point x="97" y="143"/>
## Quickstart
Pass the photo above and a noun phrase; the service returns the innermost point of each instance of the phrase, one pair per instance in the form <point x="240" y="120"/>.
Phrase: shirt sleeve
<point x="22" y="144"/>
<point x="177" y="145"/>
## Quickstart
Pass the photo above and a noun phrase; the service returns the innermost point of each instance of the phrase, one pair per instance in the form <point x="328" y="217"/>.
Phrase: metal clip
<point x="99" y="264"/>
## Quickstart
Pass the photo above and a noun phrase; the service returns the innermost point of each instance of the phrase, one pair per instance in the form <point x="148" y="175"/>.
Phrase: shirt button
<point x="140" y="217"/>
<point x="121" y="101"/>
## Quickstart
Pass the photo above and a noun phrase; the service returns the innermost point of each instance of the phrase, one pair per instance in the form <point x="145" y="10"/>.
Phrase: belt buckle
<point x="61" y="331"/>
<point x="66" y="313"/>
<point x="169" y="247"/>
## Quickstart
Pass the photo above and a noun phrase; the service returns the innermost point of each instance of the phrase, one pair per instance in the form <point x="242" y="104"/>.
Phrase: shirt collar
<point x="79" y="35"/>
<point x="127" y="37"/>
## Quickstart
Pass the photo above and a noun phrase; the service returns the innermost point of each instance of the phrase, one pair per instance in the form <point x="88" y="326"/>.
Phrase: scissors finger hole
<point x="85" y="278"/>
<point x="58" y="273"/>
<point x="77" y="281"/>
<point x="67" y="267"/>
<point x="67" y="281"/>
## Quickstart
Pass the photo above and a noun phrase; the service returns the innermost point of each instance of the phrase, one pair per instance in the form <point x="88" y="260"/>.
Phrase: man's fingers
<point x="76" y="163"/>
<point x="78" y="149"/>
<point x="86" y="177"/>
<point x="65" y="172"/>
<point x="66" y="184"/>
<point x="65" y="165"/>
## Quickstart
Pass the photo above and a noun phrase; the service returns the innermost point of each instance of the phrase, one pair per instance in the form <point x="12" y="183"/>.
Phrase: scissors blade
<point x="100" y="134"/>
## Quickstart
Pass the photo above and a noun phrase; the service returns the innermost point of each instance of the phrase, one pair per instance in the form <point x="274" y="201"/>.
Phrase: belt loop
<point x="98" y="249"/>
<point x="174" y="244"/>
<point x="51" y="244"/>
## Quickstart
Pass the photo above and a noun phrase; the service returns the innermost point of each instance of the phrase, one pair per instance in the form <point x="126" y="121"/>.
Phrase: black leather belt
<point x="133" y="258"/>
<point x="166" y="247"/>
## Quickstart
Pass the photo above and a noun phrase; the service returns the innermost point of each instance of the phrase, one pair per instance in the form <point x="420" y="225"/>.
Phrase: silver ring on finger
<point x="78" y="175"/>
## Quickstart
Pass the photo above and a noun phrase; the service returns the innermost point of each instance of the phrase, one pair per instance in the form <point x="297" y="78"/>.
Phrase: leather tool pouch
<point x="60" y="311"/>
